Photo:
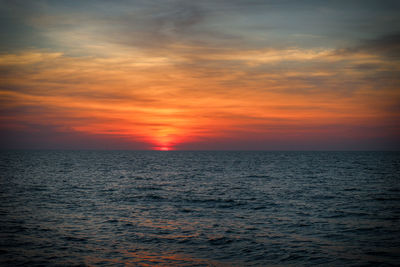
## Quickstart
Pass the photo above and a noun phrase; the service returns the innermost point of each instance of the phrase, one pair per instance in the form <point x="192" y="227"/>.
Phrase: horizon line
<point x="202" y="150"/>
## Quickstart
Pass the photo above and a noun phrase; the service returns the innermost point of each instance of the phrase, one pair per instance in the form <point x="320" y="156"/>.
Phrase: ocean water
<point x="132" y="208"/>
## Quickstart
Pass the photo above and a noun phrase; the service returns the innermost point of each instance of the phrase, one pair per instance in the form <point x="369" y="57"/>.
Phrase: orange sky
<point x="196" y="88"/>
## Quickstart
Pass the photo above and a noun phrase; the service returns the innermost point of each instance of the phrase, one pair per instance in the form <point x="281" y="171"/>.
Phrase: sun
<point x="163" y="148"/>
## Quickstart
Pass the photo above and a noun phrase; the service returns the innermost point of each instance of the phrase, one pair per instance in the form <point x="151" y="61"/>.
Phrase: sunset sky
<point x="200" y="75"/>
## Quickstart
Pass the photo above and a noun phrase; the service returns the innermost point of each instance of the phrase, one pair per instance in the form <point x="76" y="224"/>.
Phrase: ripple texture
<point x="131" y="208"/>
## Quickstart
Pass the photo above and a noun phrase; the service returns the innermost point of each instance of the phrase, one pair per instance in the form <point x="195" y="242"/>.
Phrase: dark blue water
<point x="199" y="208"/>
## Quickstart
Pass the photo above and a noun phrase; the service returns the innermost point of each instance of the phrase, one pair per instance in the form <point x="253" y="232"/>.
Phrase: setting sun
<point x="163" y="148"/>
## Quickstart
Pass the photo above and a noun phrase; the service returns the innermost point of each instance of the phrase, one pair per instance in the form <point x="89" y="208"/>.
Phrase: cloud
<point x="387" y="45"/>
<point x="170" y="104"/>
<point x="175" y="72"/>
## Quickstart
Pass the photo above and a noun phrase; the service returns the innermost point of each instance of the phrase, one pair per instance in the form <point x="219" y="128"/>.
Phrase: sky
<point x="200" y="75"/>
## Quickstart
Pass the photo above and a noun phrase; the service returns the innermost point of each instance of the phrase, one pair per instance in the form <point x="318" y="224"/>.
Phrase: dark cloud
<point x="181" y="18"/>
<point x="15" y="32"/>
<point x="179" y="27"/>
<point x="387" y="45"/>
<point x="155" y="26"/>
<point x="50" y="137"/>
<point x="165" y="23"/>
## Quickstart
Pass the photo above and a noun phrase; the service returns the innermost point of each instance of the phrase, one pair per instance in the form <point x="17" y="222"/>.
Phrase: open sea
<point x="176" y="208"/>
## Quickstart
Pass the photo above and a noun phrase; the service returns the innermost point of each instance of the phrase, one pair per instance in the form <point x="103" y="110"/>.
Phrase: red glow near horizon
<point x="162" y="148"/>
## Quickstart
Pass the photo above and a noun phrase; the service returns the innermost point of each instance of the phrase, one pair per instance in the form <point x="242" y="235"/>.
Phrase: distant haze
<point x="200" y="75"/>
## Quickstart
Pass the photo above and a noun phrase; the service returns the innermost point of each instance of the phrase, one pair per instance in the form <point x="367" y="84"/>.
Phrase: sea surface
<point x="144" y="208"/>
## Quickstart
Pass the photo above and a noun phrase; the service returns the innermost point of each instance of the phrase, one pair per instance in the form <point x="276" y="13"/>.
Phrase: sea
<point x="199" y="208"/>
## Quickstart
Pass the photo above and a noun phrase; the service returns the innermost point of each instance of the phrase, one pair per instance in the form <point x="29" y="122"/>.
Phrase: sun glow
<point x="163" y="148"/>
